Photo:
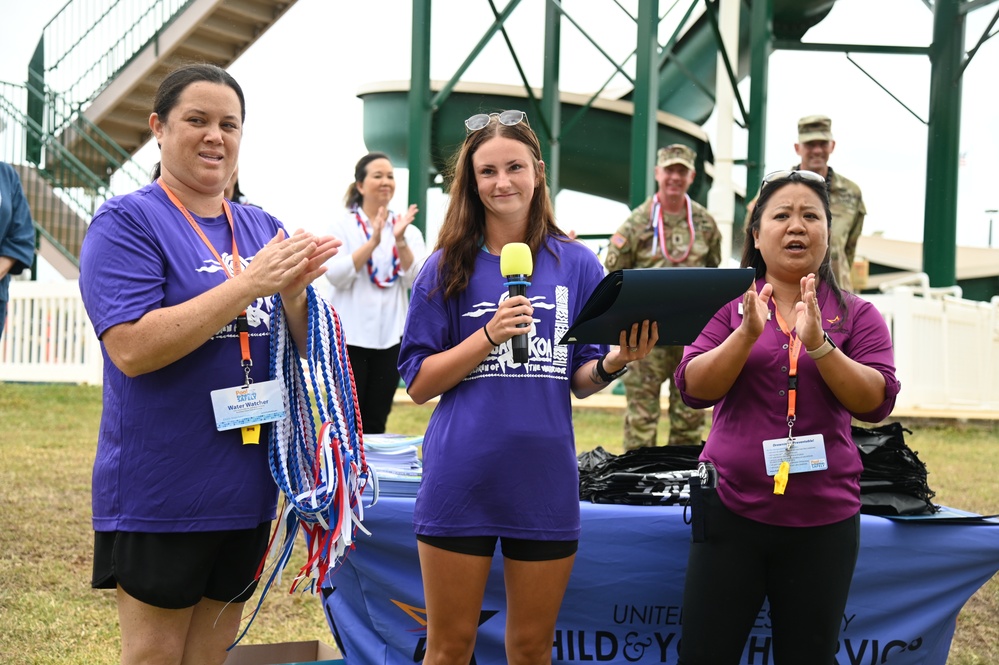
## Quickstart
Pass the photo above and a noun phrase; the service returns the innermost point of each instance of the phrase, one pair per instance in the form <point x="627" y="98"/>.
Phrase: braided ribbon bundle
<point x="321" y="476"/>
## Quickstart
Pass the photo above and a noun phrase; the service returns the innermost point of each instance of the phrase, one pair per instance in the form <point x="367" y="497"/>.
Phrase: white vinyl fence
<point x="48" y="337"/>
<point x="946" y="348"/>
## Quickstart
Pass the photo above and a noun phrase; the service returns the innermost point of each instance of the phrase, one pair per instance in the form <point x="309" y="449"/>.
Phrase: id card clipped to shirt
<point x="245" y="406"/>
<point x="805" y="453"/>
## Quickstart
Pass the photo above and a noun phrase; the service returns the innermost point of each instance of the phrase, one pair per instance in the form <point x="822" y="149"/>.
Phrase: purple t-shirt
<point x="499" y="454"/>
<point x="161" y="464"/>
<point x="755" y="410"/>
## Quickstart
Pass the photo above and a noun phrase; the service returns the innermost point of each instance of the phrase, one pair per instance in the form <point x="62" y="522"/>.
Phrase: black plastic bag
<point x="894" y="480"/>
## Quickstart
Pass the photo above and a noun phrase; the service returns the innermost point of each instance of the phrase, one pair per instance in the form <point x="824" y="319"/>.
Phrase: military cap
<point x="814" y="128"/>
<point x="676" y="154"/>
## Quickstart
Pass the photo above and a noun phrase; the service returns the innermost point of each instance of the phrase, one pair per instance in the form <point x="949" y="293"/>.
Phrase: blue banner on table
<point x="623" y="604"/>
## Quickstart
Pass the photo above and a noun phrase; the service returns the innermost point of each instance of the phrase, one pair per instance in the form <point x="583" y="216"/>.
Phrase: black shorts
<point x="177" y="570"/>
<point x="518" y="549"/>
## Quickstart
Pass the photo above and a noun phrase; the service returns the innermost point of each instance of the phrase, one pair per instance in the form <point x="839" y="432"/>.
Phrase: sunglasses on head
<point x="791" y="176"/>
<point x="508" y="118"/>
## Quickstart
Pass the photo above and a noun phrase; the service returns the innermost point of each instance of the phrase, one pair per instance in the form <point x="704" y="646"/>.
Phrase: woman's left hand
<point x="403" y="221"/>
<point x="808" y="315"/>
<point x="634" y="344"/>
<point x="288" y="265"/>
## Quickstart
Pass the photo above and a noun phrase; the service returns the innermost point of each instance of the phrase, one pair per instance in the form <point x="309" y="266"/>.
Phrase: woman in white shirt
<point x="371" y="277"/>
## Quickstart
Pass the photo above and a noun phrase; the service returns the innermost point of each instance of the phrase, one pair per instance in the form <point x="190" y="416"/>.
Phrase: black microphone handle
<point x="519" y="342"/>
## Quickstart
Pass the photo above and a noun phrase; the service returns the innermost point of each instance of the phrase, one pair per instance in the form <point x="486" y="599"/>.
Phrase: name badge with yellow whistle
<point x="247" y="406"/>
<point x="803" y="453"/>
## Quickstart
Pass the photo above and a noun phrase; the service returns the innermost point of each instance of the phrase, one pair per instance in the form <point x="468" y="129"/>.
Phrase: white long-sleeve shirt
<point x="372" y="317"/>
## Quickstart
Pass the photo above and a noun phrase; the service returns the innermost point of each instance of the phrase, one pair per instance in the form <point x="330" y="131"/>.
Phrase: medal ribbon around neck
<point x="656" y="222"/>
<point x="372" y="270"/>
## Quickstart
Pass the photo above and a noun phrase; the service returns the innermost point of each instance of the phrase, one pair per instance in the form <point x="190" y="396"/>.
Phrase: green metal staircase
<point x="72" y="128"/>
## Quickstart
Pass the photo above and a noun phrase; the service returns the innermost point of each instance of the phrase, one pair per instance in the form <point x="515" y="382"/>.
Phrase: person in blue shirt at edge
<point x="17" y="233"/>
<point x="499" y="452"/>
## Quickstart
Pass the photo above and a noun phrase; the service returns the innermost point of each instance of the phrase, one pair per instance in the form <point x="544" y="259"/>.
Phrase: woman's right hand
<point x="755" y="310"/>
<point x="284" y="261"/>
<point x="378" y="225"/>
<point x="510" y="313"/>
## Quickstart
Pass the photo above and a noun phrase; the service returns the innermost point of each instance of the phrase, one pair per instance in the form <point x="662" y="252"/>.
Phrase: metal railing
<point x="87" y="43"/>
<point x="61" y="185"/>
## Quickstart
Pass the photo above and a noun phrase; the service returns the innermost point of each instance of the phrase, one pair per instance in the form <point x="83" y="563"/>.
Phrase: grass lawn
<point x="49" y="614"/>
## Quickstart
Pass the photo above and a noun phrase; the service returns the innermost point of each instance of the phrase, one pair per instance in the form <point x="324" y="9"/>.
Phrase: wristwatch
<point x="608" y="377"/>
<point x="823" y="349"/>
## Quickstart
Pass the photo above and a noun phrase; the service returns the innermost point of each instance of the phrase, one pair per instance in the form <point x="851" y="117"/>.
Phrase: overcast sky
<point x="303" y="131"/>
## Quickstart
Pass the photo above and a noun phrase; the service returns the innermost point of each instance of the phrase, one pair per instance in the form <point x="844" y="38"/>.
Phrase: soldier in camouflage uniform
<point x="815" y="145"/>
<point x="667" y="230"/>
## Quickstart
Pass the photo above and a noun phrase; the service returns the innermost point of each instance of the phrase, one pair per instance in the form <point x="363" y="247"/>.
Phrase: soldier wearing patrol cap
<point x="814" y="147"/>
<point x="667" y="230"/>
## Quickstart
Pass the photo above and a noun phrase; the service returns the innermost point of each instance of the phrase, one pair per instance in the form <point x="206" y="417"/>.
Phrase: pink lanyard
<point x="372" y="271"/>
<point x="656" y="222"/>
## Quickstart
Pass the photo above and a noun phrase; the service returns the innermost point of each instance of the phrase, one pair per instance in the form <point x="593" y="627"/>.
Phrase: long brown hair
<point x="464" y="225"/>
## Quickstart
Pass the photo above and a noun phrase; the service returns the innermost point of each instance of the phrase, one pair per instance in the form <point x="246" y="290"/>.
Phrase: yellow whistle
<point x="251" y="434"/>
<point x="780" y="480"/>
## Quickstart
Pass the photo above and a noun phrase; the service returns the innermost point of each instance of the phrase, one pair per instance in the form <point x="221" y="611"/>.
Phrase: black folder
<point x="681" y="300"/>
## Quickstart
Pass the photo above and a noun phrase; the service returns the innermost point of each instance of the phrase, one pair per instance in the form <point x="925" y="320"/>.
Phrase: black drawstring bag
<point x="640" y="477"/>
<point x="893" y="481"/>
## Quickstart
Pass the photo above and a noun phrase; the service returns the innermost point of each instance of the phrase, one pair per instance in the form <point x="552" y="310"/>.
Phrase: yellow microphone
<point x="516" y="265"/>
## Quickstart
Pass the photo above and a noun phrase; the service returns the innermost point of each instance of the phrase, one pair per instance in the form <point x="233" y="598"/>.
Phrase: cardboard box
<point x="284" y="653"/>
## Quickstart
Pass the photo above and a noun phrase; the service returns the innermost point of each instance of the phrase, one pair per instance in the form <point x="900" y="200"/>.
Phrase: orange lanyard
<point x="793" y="349"/>
<point x="242" y="326"/>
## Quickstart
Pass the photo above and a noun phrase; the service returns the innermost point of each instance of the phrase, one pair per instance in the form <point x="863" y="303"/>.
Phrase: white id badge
<point x="247" y="405"/>
<point x="807" y="454"/>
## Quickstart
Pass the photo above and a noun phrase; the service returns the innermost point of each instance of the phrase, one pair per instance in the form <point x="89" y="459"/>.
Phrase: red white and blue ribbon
<point x="381" y="282"/>
<point x="321" y="474"/>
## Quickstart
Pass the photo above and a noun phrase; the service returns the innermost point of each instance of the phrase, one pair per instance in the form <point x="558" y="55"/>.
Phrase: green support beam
<point x="36" y="101"/>
<point x="761" y="30"/>
<point x="942" y="144"/>
<point x="420" y="112"/>
<point x="644" y="122"/>
<point x="551" y="105"/>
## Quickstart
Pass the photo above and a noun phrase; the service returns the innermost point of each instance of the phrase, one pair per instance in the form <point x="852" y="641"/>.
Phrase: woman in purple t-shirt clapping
<point x="179" y="284"/>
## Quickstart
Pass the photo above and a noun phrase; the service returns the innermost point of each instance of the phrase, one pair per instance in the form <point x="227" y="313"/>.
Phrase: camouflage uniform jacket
<point x="847" y="207"/>
<point x="631" y="245"/>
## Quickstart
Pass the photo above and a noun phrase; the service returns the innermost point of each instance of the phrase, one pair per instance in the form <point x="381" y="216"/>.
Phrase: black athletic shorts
<point x="518" y="549"/>
<point x="177" y="570"/>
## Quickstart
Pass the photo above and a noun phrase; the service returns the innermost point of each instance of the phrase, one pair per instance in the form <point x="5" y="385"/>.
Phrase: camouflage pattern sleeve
<point x="850" y="248"/>
<point x="847" y="207"/>
<point x="621" y="248"/>
<point x="714" y="257"/>
<point x="706" y="251"/>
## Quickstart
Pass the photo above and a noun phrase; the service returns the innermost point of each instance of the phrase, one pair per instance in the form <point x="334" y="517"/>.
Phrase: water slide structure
<point x="594" y="136"/>
<point x="82" y="112"/>
<point x="597" y="143"/>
